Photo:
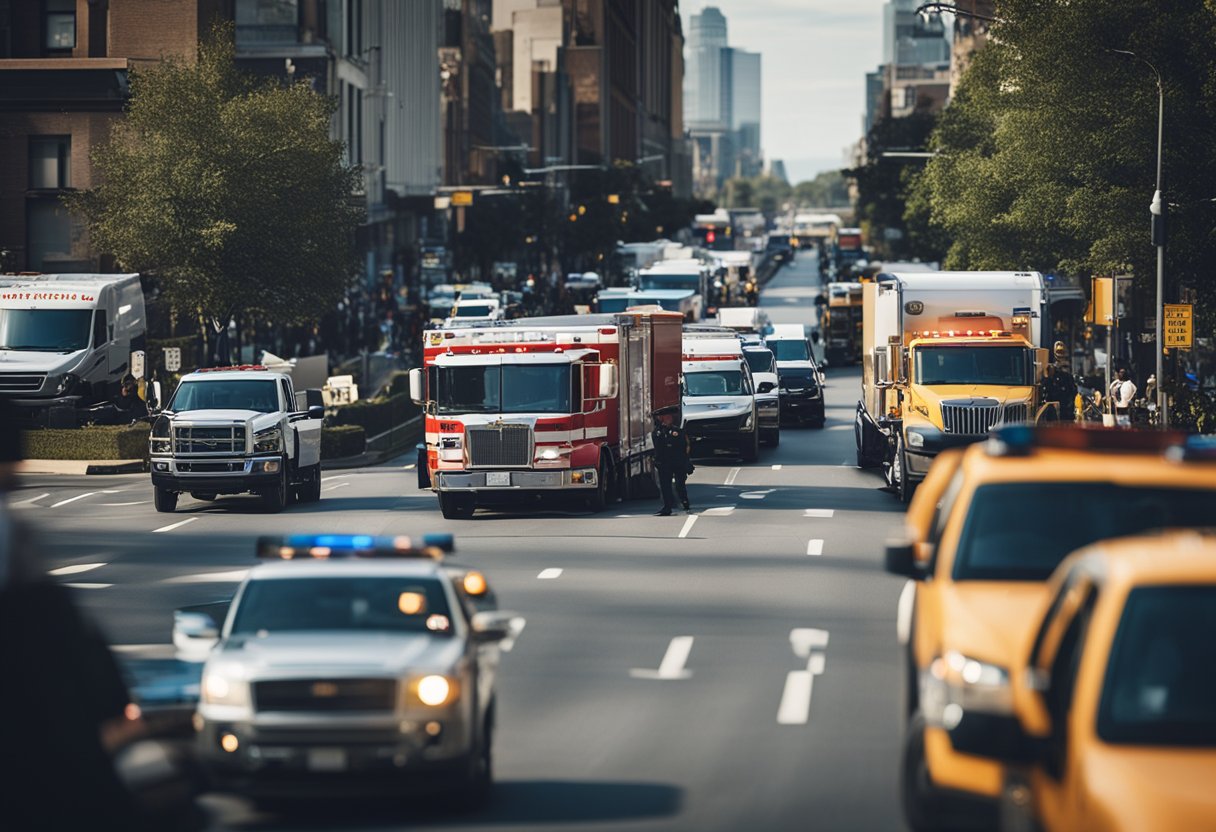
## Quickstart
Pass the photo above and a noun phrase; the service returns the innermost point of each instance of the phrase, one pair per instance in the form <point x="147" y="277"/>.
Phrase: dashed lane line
<point x="820" y="512"/>
<point x="30" y="501"/>
<point x="233" y="576"/>
<point x="757" y="495"/>
<point x="730" y="477"/>
<point x="88" y="586"/>
<point x="75" y="569"/>
<point x="814" y="547"/>
<point x="776" y="467"/>
<point x="336" y="486"/>
<point x="73" y="499"/>
<point x="692" y="518"/>
<point x="672" y="665"/>
<point x="718" y="511"/>
<point x="173" y="526"/>
<point x="120" y="505"/>
<point x="549" y="574"/>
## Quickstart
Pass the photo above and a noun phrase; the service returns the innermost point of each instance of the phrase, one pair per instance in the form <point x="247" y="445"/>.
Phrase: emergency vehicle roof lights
<point x="1194" y="449"/>
<point x="240" y="367"/>
<point x="1021" y="440"/>
<point x="334" y="546"/>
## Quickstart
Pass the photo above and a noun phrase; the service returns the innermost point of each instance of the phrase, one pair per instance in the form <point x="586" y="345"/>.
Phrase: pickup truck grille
<point x="503" y="446"/>
<point x="325" y="695"/>
<point x="210" y="440"/>
<point x="975" y="417"/>
<point x="21" y="382"/>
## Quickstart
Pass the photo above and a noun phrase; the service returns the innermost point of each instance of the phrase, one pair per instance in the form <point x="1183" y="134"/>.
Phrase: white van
<point x="67" y="339"/>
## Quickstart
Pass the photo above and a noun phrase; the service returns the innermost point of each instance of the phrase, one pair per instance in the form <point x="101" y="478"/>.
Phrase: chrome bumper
<point x="524" y="480"/>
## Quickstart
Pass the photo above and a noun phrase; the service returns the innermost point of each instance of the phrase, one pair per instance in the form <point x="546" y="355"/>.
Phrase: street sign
<point x="462" y="199"/>
<point x="173" y="359"/>
<point x="1178" y="326"/>
<point x="137" y="363"/>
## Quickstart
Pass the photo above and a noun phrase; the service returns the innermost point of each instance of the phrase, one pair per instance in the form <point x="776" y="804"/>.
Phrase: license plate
<point x="498" y="478"/>
<point x="326" y="759"/>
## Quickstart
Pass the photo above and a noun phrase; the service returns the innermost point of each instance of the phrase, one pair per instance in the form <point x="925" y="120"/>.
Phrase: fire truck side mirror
<point x="417" y="386"/>
<point x="600" y="381"/>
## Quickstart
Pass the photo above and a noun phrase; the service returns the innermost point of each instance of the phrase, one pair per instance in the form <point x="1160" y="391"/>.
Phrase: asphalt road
<point x="735" y="669"/>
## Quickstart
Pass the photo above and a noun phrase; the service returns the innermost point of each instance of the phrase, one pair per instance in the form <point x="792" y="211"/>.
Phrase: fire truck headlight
<point x="549" y="453"/>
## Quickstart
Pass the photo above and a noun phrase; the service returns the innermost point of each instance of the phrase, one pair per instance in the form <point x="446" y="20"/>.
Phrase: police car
<point x="352" y="663"/>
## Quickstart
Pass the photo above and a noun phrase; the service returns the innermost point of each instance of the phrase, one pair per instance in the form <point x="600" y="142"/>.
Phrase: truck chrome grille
<point x="325" y="695"/>
<point x="499" y="446"/>
<point x="970" y="417"/>
<point x="209" y="440"/>
<point x="1015" y="413"/>
<point x="21" y="382"/>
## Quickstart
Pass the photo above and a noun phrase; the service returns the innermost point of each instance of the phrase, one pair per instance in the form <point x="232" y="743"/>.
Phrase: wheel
<point x="480" y="780"/>
<point x="773" y="438"/>
<point x="275" y="499"/>
<point x="455" y="506"/>
<point x="921" y="805"/>
<point x="206" y="498"/>
<point x="749" y="449"/>
<point x="164" y="499"/>
<point x="865" y="455"/>
<point x="310" y="490"/>
<point x="598" y="499"/>
<point x="899" y="473"/>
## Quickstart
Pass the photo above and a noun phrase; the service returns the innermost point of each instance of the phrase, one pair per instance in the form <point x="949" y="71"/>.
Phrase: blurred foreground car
<point x="351" y="664"/>
<point x="1114" y="718"/>
<point x="984" y="532"/>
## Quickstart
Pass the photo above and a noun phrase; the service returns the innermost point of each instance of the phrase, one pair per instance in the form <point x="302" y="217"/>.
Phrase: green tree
<point x="229" y="190"/>
<point x="827" y="190"/>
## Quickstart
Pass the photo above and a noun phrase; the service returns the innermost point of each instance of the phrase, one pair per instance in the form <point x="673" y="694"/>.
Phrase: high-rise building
<point x="908" y="38"/>
<point x="707" y="98"/>
<point x="745" y="110"/>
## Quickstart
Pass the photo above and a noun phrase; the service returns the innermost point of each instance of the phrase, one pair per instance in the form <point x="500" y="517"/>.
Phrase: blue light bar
<point x="326" y="546"/>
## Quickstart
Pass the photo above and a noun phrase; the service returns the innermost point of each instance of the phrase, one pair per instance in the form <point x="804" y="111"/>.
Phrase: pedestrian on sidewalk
<point x="671" y="456"/>
<point x="1122" y="394"/>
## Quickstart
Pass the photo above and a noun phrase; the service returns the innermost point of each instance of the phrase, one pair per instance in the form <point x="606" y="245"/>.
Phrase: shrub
<point x="97" y="442"/>
<point x="377" y="415"/>
<point x="343" y="441"/>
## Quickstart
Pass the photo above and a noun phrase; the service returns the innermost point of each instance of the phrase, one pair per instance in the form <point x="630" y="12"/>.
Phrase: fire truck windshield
<point x="1004" y="366"/>
<point x="510" y="388"/>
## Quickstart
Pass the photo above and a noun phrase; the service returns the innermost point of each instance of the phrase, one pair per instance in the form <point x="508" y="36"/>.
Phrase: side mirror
<point x="417" y="386"/>
<point x="765" y="387"/>
<point x="600" y="381"/>
<point x="900" y="559"/>
<point x="194" y="634"/>
<point x="316" y="412"/>
<point x="491" y="626"/>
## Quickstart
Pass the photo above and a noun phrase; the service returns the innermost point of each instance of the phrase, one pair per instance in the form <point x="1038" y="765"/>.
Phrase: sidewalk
<point x="82" y="466"/>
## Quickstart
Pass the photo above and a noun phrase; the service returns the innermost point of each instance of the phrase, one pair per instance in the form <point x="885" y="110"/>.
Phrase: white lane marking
<point x="410" y="467"/>
<point x="76" y="568"/>
<point x="903" y="613"/>
<point x="814" y="547"/>
<point x="776" y="467"/>
<point x="118" y="505"/>
<point x="692" y="518"/>
<point x="757" y="495"/>
<point x="516" y="626"/>
<point x="730" y="478"/>
<point x="30" y="501"/>
<point x="89" y="586"/>
<point x="795" y="706"/>
<point x="719" y="511"/>
<point x="549" y="574"/>
<point x="111" y="491"/>
<point x="819" y="512"/>
<point x="840" y="427"/>
<point x="234" y="576"/>
<point x="339" y="485"/>
<point x="147" y="651"/>
<point x="73" y="499"/>
<point x="173" y="526"/>
<point x="672" y="666"/>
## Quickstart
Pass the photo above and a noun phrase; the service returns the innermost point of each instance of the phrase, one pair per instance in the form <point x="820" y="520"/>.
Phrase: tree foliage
<point x="228" y="189"/>
<point x="827" y="190"/>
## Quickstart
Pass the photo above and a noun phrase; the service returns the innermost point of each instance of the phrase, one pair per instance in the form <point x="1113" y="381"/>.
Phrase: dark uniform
<point x="671" y="458"/>
<point x="1059" y="386"/>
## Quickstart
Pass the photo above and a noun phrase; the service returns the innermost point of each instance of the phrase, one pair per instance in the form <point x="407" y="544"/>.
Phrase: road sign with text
<point x="1178" y="326"/>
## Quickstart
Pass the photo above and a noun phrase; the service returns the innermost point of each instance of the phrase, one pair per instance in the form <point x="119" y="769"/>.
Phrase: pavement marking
<point x="73" y="499"/>
<point x="89" y="586"/>
<point x="903" y="613"/>
<point x="410" y="467"/>
<point x="730" y="478"/>
<point x="719" y="511"/>
<point x="31" y="500"/>
<point x="757" y="495"/>
<point x="515" y="626"/>
<point x="173" y="526"/>
<point x="234" y="576"/>
<point x="840" y="427"/>
<point x="147" y="651"/>
<point x="819" y="512"/>
<point x="776" y="467"/>
<point x="339" y="485"/>
<point x="814" y="547"/>
<point x="672" y="666"/>
<point x="795" y="706"/>
<point x="692" y="518"/>
<point x="76" y="568"/>
<point x="549" y="574"/>
<point x="119" y="505"/>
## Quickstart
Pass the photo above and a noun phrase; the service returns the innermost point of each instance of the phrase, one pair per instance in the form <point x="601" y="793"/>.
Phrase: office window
<point x="260" y="22"/>
<point x="49" y="233"/>
<point x="59" y="24"/>
<point x="50" y="162"/>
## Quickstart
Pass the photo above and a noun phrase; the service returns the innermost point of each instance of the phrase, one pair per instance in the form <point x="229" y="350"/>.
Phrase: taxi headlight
<point x="268" y="441"/>
<point x="434" y="690"/>
<point x="956" y="683"/>
<point x="915" y="439"/>
<point x="222" y="687"/>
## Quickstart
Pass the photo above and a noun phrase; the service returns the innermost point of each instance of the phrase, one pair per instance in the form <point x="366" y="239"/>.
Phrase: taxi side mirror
<point x="491" y="626"/>
<point x="900" y="559"/>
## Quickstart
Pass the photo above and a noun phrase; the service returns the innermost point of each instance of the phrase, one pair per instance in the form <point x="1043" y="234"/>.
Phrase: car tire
<point x="865" y="453"/>
<point x="918" y="799"/>
<point x="597" y="501"/>
<point x="773" y="438"/>
<point x="456" y="506"/>
<point x="900" y="481"/>
<point x="310" y="490"/>
<point x="164" y="499"/>
<point x="275" y="499"/>
<point x="749" y="449"/>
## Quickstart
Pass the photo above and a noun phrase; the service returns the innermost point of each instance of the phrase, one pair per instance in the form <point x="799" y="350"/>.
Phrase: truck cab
<point x="236" y="430"/>
<point x="799" y="379"/>
<point x="720" y="408"/>
<point x="688" y="274"/>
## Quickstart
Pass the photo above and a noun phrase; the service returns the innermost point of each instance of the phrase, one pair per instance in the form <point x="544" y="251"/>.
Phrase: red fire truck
<point x="518" y="410"/>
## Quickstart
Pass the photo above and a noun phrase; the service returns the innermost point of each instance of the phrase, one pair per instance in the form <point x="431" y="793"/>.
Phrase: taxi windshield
<point x="365" y="603"/>
<point x="1161" y="679"/>
<point x="1021" y="531"/>
<point x="717" y="383"/>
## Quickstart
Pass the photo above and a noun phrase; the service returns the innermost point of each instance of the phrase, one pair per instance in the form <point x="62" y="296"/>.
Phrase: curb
<point x="78" y="467"/>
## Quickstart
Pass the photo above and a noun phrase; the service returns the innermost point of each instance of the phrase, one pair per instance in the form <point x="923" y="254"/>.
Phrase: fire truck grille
<point x="501" y="446"/>
<point x="217" y="440"/>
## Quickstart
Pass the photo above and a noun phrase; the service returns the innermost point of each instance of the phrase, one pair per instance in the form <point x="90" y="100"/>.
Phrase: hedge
<point x="343" y="441"/>
<point x="378" y="415"/>
<point x="97" y="442"/>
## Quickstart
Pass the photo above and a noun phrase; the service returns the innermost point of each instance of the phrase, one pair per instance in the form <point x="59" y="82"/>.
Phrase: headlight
<point x="747" y="423"/>
<point x="222" y="686"/>
<point x="66" y="383"/>
<point x="433" y="690"/>
<point x="268" y="441"/>
<point x="915" y="440"/>
<point x="955" y="684"/>
<point x="159" y="446"/>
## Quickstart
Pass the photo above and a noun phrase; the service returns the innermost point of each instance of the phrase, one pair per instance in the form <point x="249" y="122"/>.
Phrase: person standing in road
<point x="1059" y="385"/>
<point x="671" y="455"/>
<point x="1122" y="394"/>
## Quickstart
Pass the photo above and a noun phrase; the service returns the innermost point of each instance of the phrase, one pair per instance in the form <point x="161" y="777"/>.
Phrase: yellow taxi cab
<point x="1114" y="719"/>
<point x="984" y="532"/>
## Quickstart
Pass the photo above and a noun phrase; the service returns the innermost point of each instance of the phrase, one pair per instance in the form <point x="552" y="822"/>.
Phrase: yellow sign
<point x="614" y="199"/>
<point x="462" y="198"/>
<point x="1102" y="302"/>
<point x="1179" y="326"/>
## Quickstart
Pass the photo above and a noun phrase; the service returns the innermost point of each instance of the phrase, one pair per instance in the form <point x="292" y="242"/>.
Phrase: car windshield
<point x="1021" y="531"/>
<point x="760" y="361"/>
<point x="715" y="383"/>
<point x="1160" y="684"/>
<point x="45" y="330"/>
<point x="671" y="281"/>
<point x="510" y="388"/>
<point x="228" y="394"/>
<point x="1003" y="366"/>
<point x="792" y="349"/>
<point x="616" y="304"/>
<point x="796" y="378"/>
<point x="479" y="310"/>
<point x="381" y="603"/>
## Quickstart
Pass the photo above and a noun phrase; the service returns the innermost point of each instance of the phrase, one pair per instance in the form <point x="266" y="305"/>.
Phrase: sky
<point x="815" y="57"/>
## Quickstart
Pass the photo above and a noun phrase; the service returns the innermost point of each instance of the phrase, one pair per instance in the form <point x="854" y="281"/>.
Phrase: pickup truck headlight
<point x="435" y="690"/>
<point x="268" y="441"/>
<point x="915" y="439"/>
<point x="956" y="683"/>
<point x="221" y="686"/>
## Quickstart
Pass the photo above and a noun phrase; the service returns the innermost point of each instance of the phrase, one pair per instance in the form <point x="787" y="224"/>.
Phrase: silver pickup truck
<point x="236" y="430"/>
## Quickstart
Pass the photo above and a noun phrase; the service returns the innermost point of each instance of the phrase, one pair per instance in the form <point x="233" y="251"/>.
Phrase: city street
<point x="736" y="668"/>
